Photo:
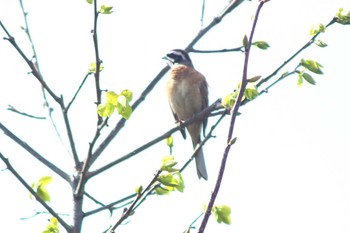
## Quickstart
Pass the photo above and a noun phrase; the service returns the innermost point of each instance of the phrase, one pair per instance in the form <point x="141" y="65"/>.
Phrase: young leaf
<point x="343" y="17"/>
<point x="311" y="65"/>
<point x="321" y="44"/>
<point x="254" y="79"/>
<point x="43" y="193"/>
<point x="163" y="190"/>
<point x="222" y="214"/>
<point x="170" y="141"/>
<point x="308" y="78"/>
<point x="128" y="94"/>
<point x="300" y="80"/>
<point x="92" y="68"/>
<point x="45" y="180"/>
<point x="168" y="179"/>
<point x="168" y="164"/>
<point x="139" y="189"/>
<point x="261" y="44"/>
<point x="245" y="42"/>
<point x="106" y="9"/>
<point x="181" y="185"/>
<point x="52" y="227"/>
<point x="105" y="110"/>
<point x="90" y="1"/>
<point x="112" y="98"/>
<point x="317" y="29"/>
<point x="229" y="100"/>
<point x="251" y="92"/>
<point x="123" y="107"/>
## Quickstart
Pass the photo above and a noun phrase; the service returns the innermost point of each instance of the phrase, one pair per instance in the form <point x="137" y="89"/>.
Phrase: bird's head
<point x="178" y="56"/>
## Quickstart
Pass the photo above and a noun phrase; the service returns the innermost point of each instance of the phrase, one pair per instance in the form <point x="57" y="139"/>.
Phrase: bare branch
<point x="238" y="49"/>
<point x="37" y="197"/>
<point x="13" y="109"/>
<point x="232" y="123"/>
<point x="39" y="157"/>
<point x="109" y="206"/>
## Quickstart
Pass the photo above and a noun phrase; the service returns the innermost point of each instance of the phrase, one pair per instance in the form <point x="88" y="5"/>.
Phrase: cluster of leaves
<point x="40" y="188"/>
<point x="52" y="227"/>
<point x="250" y="93"/>
<point x="312" y="66"/>
<point x="343" y="17"/>
<point x="119" y="102"/>
<point x="170" y="179"/>
<point x="222" y="214"/>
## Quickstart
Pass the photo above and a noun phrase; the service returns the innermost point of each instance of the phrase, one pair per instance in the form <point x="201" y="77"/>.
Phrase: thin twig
<point x="130" y="210"/>
<point x="78" y="90"/>
<point x="13" y="109"/>
<point x="310" y="42"/>
<point x="232" y="124"/>
<point x="109" y="206"/>
<point x="37" y="197"/>
<point x="36" y="155"/>
<point x="238" y="49"/>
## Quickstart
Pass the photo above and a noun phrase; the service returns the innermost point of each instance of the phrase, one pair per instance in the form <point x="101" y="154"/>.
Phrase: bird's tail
<point x="200" y="164"/>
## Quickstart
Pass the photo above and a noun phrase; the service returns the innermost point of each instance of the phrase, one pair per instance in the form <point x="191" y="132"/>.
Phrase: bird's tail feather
<point x="200" y="164"/>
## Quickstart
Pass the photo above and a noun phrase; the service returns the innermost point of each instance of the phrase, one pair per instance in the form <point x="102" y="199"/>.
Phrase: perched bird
<point x="187" y="92"/>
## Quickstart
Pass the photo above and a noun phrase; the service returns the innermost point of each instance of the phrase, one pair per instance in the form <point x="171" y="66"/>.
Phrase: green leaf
<point x="311" y="65"/>
<point x="181" y="186"/>
<point x="300" y="80"/>
<point x="308" y="78"/>
<point x="245" y="42"/>
<point x="229" y="100"/>
<point x="168" y="163"/>
<point x="222" y="214"/>
<point x="321" y="44"/>
<point x="170" y="141"/>
<point x="112" y="98"/>
<point x="123" y="107"/>
<point x="317" y="29"/>
<point x="168" y="179"/>
<point x="261" y="44"/>
<point x="43" y="194"/>
<point x="343" y="17"/>
<point x="254" y="79"/>
<point x="139" y="189"/>
<point x="52" y="227"/>
<point x="45" y="180"/>
<point x="92" y="68"/>
<point x="90" y="1"/>
<point x="251" y="93"/>
<point x="128" y="94"/>
<point x="163" y="190"/>
<point x="105" y="110"/>
<point x="106" y="9"/>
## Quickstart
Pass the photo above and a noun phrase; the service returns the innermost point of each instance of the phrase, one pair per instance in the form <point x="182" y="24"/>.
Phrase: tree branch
<point x="39" y="157"/>
<point x="232" y="123"/>
<point x="37" y="197"/>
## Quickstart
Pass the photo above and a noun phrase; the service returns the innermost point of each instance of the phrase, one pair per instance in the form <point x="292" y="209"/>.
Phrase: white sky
<point x="289" y="170"/>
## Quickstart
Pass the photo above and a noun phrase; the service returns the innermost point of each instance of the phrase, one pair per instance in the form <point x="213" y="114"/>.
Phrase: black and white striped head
<point x="178" y="56"/>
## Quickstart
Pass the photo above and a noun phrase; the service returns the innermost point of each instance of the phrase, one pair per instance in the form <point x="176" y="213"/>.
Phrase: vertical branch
<point x="234" y="112"/>
<point x="98" y="61"/>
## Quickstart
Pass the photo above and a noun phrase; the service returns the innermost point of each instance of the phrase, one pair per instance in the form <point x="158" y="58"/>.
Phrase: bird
<point x="187" y="91"/>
